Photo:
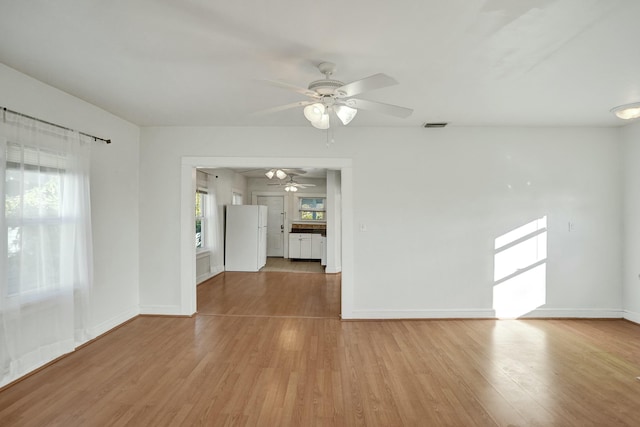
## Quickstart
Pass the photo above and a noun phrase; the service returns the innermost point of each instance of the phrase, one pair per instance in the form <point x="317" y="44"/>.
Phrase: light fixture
<point x="314" y="112"/>
<point x="322" y="122"/>
<point x="345" y="114"/>
<point x="290" y="187"/>
<point x="627" y="111"/>
<point x="318" y="113"/>
<point x="278" y="173"/>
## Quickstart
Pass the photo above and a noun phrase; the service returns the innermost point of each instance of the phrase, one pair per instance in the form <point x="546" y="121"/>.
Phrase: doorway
<point x="188" y="188"/>
<point x="275" y="224"/>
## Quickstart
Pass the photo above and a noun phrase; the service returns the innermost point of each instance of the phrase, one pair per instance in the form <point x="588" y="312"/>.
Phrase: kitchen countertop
<point x="309" y="228"/>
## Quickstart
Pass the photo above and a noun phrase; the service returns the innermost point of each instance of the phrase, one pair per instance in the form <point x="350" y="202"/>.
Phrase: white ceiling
<point x="468" y="62"/>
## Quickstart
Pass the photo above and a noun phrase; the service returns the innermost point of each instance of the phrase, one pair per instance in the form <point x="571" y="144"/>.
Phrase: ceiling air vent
<point x="436" y="125"/>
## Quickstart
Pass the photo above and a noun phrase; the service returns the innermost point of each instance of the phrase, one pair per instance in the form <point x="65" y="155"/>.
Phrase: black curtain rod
<point x="95" y="138"/>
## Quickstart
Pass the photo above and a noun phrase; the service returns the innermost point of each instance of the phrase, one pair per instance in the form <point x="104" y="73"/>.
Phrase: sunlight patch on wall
<point x="520" y="271"/>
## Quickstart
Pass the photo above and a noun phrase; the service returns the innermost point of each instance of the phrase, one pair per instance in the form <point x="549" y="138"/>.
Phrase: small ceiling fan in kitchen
<point x="273" y="173"/>
<point x="293" y="186"/>
<point x="331" y="98"/>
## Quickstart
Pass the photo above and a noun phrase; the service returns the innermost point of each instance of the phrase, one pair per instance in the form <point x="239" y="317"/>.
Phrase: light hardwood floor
<point x="230" y="368"/>
<point x="271" y="294"/>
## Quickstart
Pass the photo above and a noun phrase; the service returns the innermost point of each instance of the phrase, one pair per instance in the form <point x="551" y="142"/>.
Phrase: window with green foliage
<point x="312" y="208"/>
<point x="200" y="218"/>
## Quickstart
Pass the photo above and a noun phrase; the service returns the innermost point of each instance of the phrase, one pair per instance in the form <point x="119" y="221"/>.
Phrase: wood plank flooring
<point x="307" y="371"/>
<point x="271" y="294"/>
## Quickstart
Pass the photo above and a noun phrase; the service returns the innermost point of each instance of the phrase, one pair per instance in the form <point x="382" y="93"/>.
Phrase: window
<point x="236" y="198"/>
<point x="34" y="218"/>
<point x="200" y="219"/>
<point x="312" y="208"/>
<point x="45" y="267"/>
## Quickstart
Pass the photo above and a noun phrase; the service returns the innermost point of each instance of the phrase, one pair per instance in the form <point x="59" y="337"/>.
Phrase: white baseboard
<point x="485" y="314"/>
<point x="162" y="310"/>
<point x="421" y="314"/>
<point x="214" y="272"/>
<point x="332" y="269"/>
<point x="113" y="322"/>
<point x="580" y="313"/>
<point x="632" y="316"/>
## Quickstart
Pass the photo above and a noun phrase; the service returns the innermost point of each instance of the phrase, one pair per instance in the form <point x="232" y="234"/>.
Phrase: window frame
<point x="202" y="218"/>
<point x="48" y="163"/>
<point x="313" y="211"/>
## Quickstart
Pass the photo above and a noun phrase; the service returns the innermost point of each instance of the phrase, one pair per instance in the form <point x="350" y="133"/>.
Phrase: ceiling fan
<point x="293" y="186"/>
<point x="330" y="96"/>
<point x="279" y="173"/>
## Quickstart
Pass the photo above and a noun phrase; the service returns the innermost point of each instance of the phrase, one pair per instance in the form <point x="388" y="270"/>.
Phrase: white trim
<point x="632" y="316"/>
<point x="202" y="253"/>
<point x="187" y="258"/>
<point x="580" y="313"/>
<point x="204" y="277"/>
<point x="255" y="194"/>
<point x="163" y="310"/>
<point x="214" y="272"/>
<point x="485" y="314"/>
<point x="187" y="187"/>
<point x="113" y="322"/>
<point x="296" y="208"/>
<point x="348" y="253"/>
<point x="423" y="314"/>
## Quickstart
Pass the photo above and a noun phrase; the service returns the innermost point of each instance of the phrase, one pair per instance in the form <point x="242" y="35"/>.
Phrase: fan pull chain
<point x="330" y="137"/>
<point x="330" y="134"/>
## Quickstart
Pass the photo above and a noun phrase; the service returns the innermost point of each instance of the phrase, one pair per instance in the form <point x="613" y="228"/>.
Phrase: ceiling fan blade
<point x="294" y="88"/>
<point x="376" y="81"/>
<point x="304" y="185"/>
<point x="380" y="107"/>
<point x="282" y="107"/>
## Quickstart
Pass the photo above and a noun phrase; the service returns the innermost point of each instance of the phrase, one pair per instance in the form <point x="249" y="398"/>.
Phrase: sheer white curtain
<point x="46" y="262"/>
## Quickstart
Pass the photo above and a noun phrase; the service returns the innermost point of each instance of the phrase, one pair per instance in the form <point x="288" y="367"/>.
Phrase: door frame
<point x="188" y="188"/>
<point x="285" y="206"/>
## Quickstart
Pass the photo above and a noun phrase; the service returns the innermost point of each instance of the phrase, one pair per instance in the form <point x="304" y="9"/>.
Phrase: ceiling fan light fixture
<point x="314" y="112"/>
<point x="322" y="123"/>
<point x="627" y="111"/>
<point x="278" y="173"/>
<point x="345" y="114"/>
<point x="291" y="188"/>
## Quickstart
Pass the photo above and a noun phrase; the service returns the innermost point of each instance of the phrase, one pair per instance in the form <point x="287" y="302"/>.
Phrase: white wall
<point x="432" y="202"/>
<point x="334" y="222"/>
<point x="114" y="191"/>
<point x="630" y="136"/>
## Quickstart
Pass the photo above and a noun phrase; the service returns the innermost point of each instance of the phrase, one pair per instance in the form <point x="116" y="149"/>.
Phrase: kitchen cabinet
<point x="316" y="246"/>
<point x="305" y="246"/>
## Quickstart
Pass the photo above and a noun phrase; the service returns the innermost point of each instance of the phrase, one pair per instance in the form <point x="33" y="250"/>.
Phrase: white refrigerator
<point x="245" y="238"/>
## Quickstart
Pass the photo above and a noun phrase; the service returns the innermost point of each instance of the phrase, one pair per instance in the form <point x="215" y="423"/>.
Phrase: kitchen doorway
<point x="344" y="247"/>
